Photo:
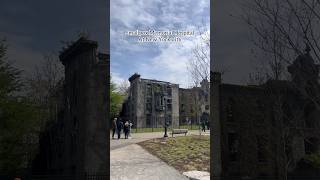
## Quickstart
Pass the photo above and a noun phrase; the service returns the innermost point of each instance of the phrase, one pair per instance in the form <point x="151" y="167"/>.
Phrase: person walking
<point x="126" y="130"/>
<point x="203" y="126"/>
<point x="114" y="127"/>
<point x="119" y="127"/>
<point x="203" y="123"/>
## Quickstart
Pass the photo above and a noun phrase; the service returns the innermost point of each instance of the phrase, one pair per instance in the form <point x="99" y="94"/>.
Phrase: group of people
<point x="118" y="125"/>
<point x="205" y="124"/>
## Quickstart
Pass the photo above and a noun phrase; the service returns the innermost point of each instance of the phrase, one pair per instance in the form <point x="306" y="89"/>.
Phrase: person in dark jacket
<point x="114" y="127"/>
<point x="119" y="127"/>
<point x="203" y="122"/>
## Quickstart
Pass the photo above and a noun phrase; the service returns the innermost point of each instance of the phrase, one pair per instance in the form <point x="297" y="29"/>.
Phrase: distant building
<point x="194" y="102"/>
<point x="255" y="128"/>
<point x="150" y="101"/>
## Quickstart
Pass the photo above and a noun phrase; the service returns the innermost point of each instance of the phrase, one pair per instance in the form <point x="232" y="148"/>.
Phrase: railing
<point x="156" y="124"/>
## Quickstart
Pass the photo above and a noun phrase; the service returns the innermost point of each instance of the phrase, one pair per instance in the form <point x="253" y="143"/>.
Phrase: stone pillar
<point x="96" y="159"/>
<point x="215" y="144"/>
<point x="86" y="114"/>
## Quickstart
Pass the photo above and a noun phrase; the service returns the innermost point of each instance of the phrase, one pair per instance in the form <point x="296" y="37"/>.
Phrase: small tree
<point x="199" y="67"/>
<point x="44" y="85"/>
<point x="116" y="100"/>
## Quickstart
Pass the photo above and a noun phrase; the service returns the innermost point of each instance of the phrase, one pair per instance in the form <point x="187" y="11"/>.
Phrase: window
<point x="149" y="100"/>
<point x="159" y="102"/>
<point x="308" y="110"/>
<point x="148" y="107"/>
<point x="260" y="105"/>
<point x="230" y="110"/>
<point x="169" y="104"/>
<point x="148" y="120"/>
<point x="169" y="91"/>
<point x="182" y="108"/>
<point x="75" y="123"/>
<point x="149" y="90"/>
<point x="310" y="145"/>
<point x="262" y="151"/>
<point x="233" y="146"/>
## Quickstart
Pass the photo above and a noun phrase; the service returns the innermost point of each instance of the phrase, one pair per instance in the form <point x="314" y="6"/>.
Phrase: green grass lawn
<point x="185" y="153"/>
<point x="142" y="130"/>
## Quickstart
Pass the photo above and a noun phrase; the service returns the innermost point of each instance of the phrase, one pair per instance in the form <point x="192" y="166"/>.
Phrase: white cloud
<point x="171" y="63"/>
<point x="116" y="78"/>
<point x="131" y="12"/>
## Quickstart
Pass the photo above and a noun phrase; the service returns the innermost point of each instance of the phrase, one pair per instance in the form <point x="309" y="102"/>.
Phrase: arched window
<point x="311" y="145"/>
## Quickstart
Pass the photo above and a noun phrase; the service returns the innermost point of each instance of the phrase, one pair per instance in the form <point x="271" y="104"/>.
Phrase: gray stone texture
<point x="250" y="122"/>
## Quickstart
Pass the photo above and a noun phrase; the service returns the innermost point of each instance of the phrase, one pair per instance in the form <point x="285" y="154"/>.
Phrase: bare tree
<point x="199" y="64"/>
<point x="44" y="85"/>
<point x="288" y="117"/>
<point x="123" y="87"/>
<point x="281" y="31"/>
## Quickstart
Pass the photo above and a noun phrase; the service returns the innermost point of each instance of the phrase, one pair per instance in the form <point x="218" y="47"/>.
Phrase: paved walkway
<point x="130" y="161"/>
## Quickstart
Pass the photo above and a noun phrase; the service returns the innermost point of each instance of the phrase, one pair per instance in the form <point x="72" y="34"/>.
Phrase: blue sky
<point x="161" y="61"/>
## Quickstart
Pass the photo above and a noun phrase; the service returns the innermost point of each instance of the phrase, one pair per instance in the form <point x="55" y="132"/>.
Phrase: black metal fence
<point x="157" y="124"/>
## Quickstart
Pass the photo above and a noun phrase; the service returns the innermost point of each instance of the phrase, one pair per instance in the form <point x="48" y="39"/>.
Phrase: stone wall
<point x="256" y="128"/>
<point x="77" y="142"/>
<point x="148" y="102"/>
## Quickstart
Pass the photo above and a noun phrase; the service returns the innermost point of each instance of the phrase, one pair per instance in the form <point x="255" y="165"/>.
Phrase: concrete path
<point x="132" y="162"/>
<point x="129" y="161"/>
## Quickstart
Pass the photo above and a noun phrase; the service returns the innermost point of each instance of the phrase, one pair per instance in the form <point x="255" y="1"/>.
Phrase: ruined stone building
<point x="150" y="101"/>
<point x="259" y="130"/>
<point x="76" y="143"/>
<point x="194" y="102"/>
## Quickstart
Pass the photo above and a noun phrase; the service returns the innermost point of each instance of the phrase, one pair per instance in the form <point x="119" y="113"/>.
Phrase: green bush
<point x="314" y="159"/>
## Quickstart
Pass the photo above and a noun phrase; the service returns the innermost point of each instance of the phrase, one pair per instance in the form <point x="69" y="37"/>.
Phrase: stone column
<point x="215" y="133"/>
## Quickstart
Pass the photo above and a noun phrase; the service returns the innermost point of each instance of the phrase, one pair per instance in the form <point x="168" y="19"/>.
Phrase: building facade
<point x="151" y="102"/>
<point x="76" y="143"/>
<point x="194" y="102"/>
<point x="265" y="130"/>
